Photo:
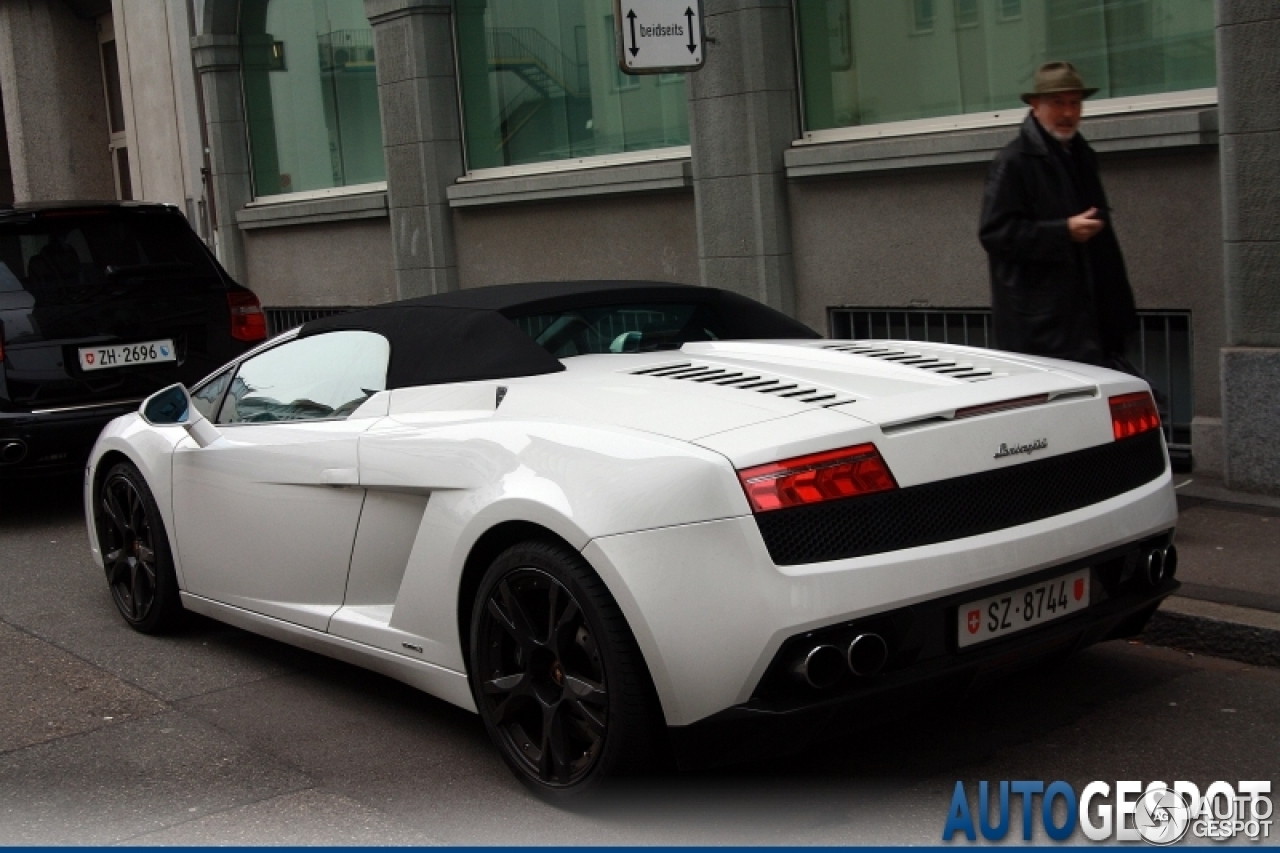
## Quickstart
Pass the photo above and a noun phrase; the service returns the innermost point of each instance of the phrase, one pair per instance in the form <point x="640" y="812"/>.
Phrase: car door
<point x="266" y="516"/>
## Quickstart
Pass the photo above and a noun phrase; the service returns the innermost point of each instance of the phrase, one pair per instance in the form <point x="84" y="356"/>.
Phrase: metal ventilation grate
<point x="745" y="380"/>
<point x="283" y="319"/>
<point x="938" y="364"/>
<point x="1162" y="351"/>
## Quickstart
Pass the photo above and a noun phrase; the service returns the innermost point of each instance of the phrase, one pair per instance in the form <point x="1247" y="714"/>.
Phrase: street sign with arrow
<point x="658" y="36"/>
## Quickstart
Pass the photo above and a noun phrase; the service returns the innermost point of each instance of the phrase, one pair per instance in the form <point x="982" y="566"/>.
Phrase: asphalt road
<point x="215" y="736"/>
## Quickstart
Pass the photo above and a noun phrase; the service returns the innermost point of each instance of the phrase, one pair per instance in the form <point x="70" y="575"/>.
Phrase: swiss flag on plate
<point x="88" y="358"/>
<point x="975" y="620"/>
<point x="1079" y="589"/>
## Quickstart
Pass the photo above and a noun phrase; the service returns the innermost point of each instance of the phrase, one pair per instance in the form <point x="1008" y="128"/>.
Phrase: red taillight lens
<point x="1132" y="414"/>
<point x="248" y="323"/>
<point x="819" y="477"/>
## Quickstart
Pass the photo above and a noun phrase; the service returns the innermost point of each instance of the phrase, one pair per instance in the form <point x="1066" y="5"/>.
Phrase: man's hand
<point x="1085" y="226"/>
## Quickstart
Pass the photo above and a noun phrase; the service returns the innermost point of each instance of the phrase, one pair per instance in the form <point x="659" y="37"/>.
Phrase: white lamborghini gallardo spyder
<point x="628" y="519"/>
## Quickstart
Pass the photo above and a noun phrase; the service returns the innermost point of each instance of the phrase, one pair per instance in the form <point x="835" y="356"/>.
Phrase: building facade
<point x="828" y="159"/>
<point x="100" y="102"/>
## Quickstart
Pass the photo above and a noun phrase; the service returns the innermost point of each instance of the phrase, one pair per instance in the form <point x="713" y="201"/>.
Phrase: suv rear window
<point x="90" y="248"/>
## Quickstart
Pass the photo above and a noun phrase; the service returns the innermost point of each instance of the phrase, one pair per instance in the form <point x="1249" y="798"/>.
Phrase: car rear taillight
<point x="819" y="477"/>
<point x="1133" y="414"/>
<point x="248" y="323"/>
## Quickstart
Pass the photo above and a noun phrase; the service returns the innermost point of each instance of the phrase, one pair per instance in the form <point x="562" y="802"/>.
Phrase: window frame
<point x="234" y="365"/>
<point x="966" y="24"/>
<point x="301" y="195"/>
<point x="920" y="25"/>
<point x="1002" y="9"/>
<point x="578" y="164"/>
<point x="222" y="401"/>
<point x="1128" y="105"/>
<point x="572" y="164"/>
<point x="1004" y="118"/>
<point x="233" y="370"/>
<point x="312" y="195"/>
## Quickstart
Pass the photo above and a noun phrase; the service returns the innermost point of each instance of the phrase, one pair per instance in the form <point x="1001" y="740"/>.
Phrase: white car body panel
<point x="704" y="658"/>
<point x="151" y="450"/>
<point x="351" y="536"/>
<point x="270" y="495"/>
<point x="579" y="482"/>
<point x="448" y="685"/>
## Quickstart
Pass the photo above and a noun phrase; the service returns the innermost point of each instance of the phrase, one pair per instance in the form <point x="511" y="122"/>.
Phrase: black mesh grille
<point x="283" y="319"/>
<point x="964" y="506"/>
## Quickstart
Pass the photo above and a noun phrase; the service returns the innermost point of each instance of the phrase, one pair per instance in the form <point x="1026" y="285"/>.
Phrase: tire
<point x="557" y="676"/>
<point x="135" y="552"/>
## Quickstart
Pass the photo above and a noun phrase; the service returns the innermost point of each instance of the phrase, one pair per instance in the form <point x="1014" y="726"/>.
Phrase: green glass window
<point x="310" y="95"/>
<point x="540" y="82"/>
<point x="873" y="61"/>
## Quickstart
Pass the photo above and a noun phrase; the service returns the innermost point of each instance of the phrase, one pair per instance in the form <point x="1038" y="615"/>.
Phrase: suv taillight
<point x="815" y="478"/>
<point x="248" y="323"/>
<point x="1133" y="414"/>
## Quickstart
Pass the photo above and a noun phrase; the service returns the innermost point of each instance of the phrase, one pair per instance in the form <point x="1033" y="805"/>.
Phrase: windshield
<point x="645" y="327"/>
<point x="95" y="248"/>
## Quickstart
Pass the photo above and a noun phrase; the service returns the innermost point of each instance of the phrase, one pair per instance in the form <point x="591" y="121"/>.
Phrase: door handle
<point x="340" y="477"/>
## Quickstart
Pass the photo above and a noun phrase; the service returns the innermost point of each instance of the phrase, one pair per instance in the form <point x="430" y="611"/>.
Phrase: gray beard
<point x="1065" y="139"/>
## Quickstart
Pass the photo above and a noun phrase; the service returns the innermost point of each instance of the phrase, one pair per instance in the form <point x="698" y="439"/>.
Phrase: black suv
<point x="100" y="305"/>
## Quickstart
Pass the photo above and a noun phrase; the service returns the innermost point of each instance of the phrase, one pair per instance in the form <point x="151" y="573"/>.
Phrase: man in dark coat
<point x="1058" y="282"/>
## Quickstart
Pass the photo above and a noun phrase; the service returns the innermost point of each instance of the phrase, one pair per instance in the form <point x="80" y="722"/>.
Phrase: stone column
<point x="1248" y="38"/>
<point x="217" y="59"/>
<point x="421" y="138"/>
<point x="6" y="172"/>
<point x="742" y="117"/>
<point x="54" y="107"/>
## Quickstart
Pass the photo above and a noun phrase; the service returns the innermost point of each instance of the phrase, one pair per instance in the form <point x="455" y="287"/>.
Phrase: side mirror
<point x="172" y="406"/>
<point x="168" y="406"/>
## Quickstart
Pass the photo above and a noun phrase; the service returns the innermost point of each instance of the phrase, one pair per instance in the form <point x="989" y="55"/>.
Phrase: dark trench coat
<point x="1049" y="295"/>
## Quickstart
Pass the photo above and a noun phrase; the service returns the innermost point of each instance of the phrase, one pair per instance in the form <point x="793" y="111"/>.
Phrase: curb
<point x="1237" y="633"/>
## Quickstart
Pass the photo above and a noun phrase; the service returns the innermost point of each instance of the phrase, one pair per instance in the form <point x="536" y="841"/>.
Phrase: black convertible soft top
<point x="468" y="335"/>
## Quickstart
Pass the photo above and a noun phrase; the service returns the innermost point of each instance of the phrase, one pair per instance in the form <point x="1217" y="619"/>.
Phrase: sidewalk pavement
<point x="1229" y="565"/>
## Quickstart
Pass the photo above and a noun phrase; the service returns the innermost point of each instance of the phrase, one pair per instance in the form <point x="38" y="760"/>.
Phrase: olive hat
<point x="1054" y="77"/>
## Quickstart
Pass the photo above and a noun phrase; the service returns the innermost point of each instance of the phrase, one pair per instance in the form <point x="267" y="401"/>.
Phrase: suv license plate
<point x="1012" y="611"/>
<point x="123" y="355"/>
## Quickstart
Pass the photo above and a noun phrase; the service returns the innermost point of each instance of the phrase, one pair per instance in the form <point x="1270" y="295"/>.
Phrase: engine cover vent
<point x="745" y="380"/>
<point x="938" y="362"/>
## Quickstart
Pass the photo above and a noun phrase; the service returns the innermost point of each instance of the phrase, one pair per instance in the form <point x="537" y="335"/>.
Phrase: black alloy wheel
<point x="556" y="674"/>
<point x="135" y="551"/>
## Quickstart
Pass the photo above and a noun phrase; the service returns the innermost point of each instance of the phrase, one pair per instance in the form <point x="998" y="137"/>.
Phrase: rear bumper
<point x="55" y="442"/>
<point x="785" y="715"/>
<point x="710" y="610"/>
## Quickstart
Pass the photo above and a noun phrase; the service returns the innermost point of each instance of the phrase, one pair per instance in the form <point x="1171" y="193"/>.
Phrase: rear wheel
<point x="556" y="673"/>
<point x="135" y="552"/>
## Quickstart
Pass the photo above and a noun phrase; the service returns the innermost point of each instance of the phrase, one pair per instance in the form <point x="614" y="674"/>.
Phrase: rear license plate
<point x="1012" y="611"/>
<point x="123" y="355"/>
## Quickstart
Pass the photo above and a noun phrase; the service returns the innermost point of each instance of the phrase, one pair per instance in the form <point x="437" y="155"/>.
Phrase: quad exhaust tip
<point x="12" y="452"/>
<point x="1170" y="561"/>
<point x="822" y="667"/>
<point x="1155" y="566"/>
<point x="867" y="654"/>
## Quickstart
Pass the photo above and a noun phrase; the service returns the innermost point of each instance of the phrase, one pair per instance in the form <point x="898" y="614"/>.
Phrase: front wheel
<point x="556" y="673"/>
<point x="135" y="552"/>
